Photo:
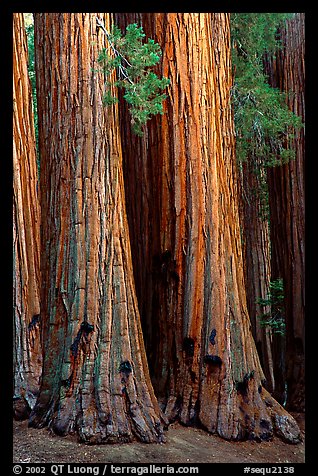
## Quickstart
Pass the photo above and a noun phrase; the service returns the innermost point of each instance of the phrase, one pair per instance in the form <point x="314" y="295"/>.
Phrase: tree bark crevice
<point x="95" y="379"/>
<point x="194" y="230"/>
<point x="27" y="354"/>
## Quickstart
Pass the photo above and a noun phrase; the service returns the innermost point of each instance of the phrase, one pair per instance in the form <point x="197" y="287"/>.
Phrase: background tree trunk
<point x="95" y="374"/>
<point x="256" y="258"/>
<point x="204" y="361"/>
<point x="26" y="234"/>
<point x="287" y="209"/>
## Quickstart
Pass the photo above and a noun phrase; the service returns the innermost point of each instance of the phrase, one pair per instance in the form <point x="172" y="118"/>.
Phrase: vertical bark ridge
<point x="256" y="252"/>
<point x="26" y="233"/>
<point x="95" y="381"/>
<point x="287" y="209"/>
<point x="197" y="288"/>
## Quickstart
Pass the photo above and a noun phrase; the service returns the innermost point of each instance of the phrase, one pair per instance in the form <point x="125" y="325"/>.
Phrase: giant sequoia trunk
<point x="95" y="375"/>
<point x="181" y="183"/>
<point x="287" y="208"/>
<point x="256" y="258"/>
<point x="27" y="355"/>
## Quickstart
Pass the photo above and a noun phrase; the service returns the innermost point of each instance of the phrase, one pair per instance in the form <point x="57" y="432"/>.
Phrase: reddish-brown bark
<point x="26" y="234"/>
<point x="287" y="207"/>
<point x="95" y="375"/>
<point x="256" y="259"/>
<point x="183" y="213"/>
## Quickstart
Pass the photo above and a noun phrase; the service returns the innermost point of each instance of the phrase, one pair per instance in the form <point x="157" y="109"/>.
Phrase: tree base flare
<point x="285" y="426"/>
<point x="74" y="416"/>
<point x="254" y="415"/>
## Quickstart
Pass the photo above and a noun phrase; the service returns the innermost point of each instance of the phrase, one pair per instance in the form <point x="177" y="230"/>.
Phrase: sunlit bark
<point x="95" y="374"/>
<point x="183" y="214"/>
<point x="26" y="234"/>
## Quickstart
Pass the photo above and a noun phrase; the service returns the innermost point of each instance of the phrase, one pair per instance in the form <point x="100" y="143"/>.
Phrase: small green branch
<point x="133" y="59"/>
<point x="275" y="317"/>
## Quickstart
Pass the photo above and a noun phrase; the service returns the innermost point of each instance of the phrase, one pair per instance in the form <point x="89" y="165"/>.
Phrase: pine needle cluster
<point x="133" y="60"/>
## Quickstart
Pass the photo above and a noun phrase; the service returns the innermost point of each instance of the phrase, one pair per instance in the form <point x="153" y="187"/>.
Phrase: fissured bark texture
<point x="287" y="207"/>
<point x="184" y="224"/>
<point x="27" y="356"/>
<point x="95" y="375"/>
<point x="256" y="258"/>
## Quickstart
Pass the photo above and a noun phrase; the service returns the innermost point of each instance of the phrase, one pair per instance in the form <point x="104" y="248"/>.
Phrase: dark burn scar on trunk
<point x="36" y="319"/>
<point x="242" y="386"/>
<point x="84" y="330"/>
<point x="212" y="336"/>
<point x="212" y="359"/>
<point x="125" y="368"/>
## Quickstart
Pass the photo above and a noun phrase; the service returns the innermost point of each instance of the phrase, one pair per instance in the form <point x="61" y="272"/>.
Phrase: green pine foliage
<point x="275" y="318"/>
<point x="263" y="122"/>
<point x="133" y="59"/>
<point x="262" y="118"/>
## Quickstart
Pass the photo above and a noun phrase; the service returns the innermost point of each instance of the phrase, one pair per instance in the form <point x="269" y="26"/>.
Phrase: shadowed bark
<point x="27" y="357"/>
<point x="95" y="375"/>
<point x="287" y="208"/>
<point x="256" y="259"/>
<point x="183" y="213"/>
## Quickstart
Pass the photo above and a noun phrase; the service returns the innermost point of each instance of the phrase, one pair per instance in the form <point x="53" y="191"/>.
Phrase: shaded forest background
<point x="160" y="278"/>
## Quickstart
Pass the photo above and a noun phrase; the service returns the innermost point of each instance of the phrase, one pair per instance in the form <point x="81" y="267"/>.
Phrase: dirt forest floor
<point x="183" y="445"/>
